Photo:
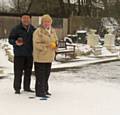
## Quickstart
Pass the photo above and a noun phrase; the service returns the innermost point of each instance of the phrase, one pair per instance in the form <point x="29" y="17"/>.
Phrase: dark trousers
<point x="22" y="64"/>
<point x="42" y="73"/>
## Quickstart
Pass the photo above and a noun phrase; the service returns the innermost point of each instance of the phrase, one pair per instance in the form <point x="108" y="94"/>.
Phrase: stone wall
<point x="69" y="25"/>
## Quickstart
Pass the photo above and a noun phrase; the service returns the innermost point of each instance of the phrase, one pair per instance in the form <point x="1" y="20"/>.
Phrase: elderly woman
<point x="44" y="47"/>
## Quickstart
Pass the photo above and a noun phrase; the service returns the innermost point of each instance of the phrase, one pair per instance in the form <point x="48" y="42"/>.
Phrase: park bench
<point x="64" y="48"/>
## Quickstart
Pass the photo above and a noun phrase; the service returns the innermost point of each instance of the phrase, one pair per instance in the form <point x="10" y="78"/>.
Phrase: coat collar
<point x="45" y="31"/>
<point x="21" y="26"/>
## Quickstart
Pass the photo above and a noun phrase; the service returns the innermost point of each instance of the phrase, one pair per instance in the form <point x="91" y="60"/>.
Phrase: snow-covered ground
<point x="86" y="98"/>
<point x="91" y="90"/>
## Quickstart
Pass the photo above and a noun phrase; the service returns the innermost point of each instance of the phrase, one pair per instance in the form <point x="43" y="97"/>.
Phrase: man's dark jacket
<point x="20" y="32"/>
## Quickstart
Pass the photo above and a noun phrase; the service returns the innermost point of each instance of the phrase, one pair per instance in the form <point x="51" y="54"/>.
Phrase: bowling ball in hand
<point x="20" y="40"/>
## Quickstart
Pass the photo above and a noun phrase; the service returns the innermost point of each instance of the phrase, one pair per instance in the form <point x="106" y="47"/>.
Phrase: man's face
<point x="26" y="20"/>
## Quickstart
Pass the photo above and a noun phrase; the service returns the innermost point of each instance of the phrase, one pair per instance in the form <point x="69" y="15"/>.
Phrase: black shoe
<point x="17" y="92"/>
<point x="47" y="93"/>
<point x="29" y="90"/>
<point x="43" y="96"/>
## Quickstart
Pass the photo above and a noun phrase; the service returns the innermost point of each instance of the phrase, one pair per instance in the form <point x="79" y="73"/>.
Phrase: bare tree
<point x="3" y="6"/>
<point x="20" y="6"/>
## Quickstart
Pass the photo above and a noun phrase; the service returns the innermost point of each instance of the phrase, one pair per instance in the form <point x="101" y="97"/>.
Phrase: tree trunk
<point x="106" y="12"/>
<point x="79" y="8"/>
<point x="18" y="6"/>
<point x="63" y="12"/>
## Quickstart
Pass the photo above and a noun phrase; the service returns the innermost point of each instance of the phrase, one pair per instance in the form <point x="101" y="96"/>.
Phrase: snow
<point x="85" y="98"/>
<point x="81" y="31"/>
<point x="69" y="96"/>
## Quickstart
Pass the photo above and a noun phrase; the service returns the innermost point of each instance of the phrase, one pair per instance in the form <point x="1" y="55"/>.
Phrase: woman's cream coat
<point x="42" y="52"/>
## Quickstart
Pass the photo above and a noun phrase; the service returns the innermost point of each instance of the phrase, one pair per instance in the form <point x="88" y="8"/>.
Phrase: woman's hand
<point x="53" y="45"/>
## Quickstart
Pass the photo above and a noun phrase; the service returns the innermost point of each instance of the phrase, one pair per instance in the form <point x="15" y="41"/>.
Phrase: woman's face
<point x="46" y="24"/>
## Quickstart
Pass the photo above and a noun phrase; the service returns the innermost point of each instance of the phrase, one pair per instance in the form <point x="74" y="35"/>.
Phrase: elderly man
<point x="21" y="39"/>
